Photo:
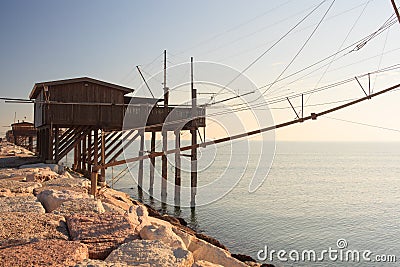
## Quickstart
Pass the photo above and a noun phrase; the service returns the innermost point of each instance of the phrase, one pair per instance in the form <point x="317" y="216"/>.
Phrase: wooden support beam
<point x="51" y="143"/>
<point x="79" y="154"/>
<point x="112" y="150"/>
<point x="141" y="152"/>
<point x="56" y="142"/>
<point x="108" y="137"/>
<point x="193" y="168"/>
<point x="96" y="148"/>
<point x="93" y="183"/>
<point x="89" y="151"/>
<point x="84" y="153"/>
<point x="177" y="169"/>
<point x="75" y="165"/>
<point x="72" y="133"/>
<point x="71" y="144"/>
<point x="102" y="180"/>
<point x="65" y="145"/>
<point x="116" y="155"/>
<point x="95" y="159"/>
<point x="66" y="133"/>
<point x="193" y="132"/>
<point x="30" y="143"/>
<point x="152" y="162"/>
<point x="164" y="164"/>
<point x="164" y="134"/>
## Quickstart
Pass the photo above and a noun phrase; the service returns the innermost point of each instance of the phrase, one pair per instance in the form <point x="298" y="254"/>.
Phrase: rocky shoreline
<point x="47" y="218"/>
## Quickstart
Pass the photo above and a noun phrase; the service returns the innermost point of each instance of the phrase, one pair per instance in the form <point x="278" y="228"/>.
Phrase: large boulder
<point x="115" y="198"/>
<point x="205" y="251"/>
<point x="138" y="215"/>
<point x="52" y="199"/>
<point x="20" y="204"/>
<point x="99" y="263"/>
<point x="162" y="233"/>
<point x="101" y="232"/>
<point x="205" y="264"/>
<point x="58" y="169"/>
<point x="81" y="205"/>
<point x="18" y="185"/>
<point x="151" y="252"/>
<point x="5" y="192"/>
<point x="113" y="209"/>
<point x="41" y="175"/>
<point x="65" y="181"/>
<point x="52" y="252"/>
<point x="22" y="227"/>
<point x="81" y="190"/>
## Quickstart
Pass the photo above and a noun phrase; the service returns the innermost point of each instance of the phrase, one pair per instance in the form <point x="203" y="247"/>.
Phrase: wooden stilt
<point x="89" y="152"/>
<point x="84" y="153"/>
<point x="164" y="165"/>
<point x="30" y="143"/>
<point x="93" y="182"/>
<point x="50" y="144"/>
<point x="79" y="156"/>
<point x="193" y="169"/>
<point x="177" y="168"/>
<point x="141" y="152"/>
<point x="164" y="133"/>
<point x="102" y="180"/>
<point x="152" y="162"/>
<point x="116" y="155"/>
<point x="75" y="165"/>
<point x="193" y="132"/>
<point x="56" y="142"/>
<point x="96" y="147"/>
<point x="38" y="143"/>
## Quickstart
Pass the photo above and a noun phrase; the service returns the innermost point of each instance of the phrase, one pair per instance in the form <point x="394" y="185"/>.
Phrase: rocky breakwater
<point x="47" y="218"/>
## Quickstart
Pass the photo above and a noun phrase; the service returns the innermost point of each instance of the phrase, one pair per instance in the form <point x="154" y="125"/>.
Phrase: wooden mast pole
<point x="164" y="162"/>
<point x="177" y="168"/>
<point x="141" y="152"/>
<point x="193" y="132"/>
<point x="152" y="162"/>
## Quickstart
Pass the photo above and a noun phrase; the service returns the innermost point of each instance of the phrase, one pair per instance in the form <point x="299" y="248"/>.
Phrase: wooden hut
<point x="87" y="115"/>
<point x="24" y="134"/>
<point x="79" y="101"/>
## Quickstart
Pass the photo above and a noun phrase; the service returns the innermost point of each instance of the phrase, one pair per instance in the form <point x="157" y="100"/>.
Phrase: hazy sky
<point x="49" y="40"/>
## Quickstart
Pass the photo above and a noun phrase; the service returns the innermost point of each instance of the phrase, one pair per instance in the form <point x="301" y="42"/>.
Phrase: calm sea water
<point x="315" y="194"/>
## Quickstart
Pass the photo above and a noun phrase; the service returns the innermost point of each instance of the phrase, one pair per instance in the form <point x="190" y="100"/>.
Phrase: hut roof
<point x="24" y="123"/>
<point x="38" y="86"/>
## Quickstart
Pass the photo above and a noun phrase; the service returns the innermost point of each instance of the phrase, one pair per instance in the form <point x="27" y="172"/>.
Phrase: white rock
<point x="205" y="264"/>
<point x="54" y="167"/>
<point x="205" y="251"/>
<point x="162" y="233"/>
<point x="138" y="215"/>
<point x="41" y="175"/>
<point x="20" y="204"/>
<point x="84" y="205"/>
<point x="111" y="208"/>
<point x="52" y="199"/>
<point x="152" y="252"/>
<point x="99" y="263"/>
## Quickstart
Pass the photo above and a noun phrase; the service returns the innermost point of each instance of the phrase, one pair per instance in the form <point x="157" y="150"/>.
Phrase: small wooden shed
<point x="24" y="134"/>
